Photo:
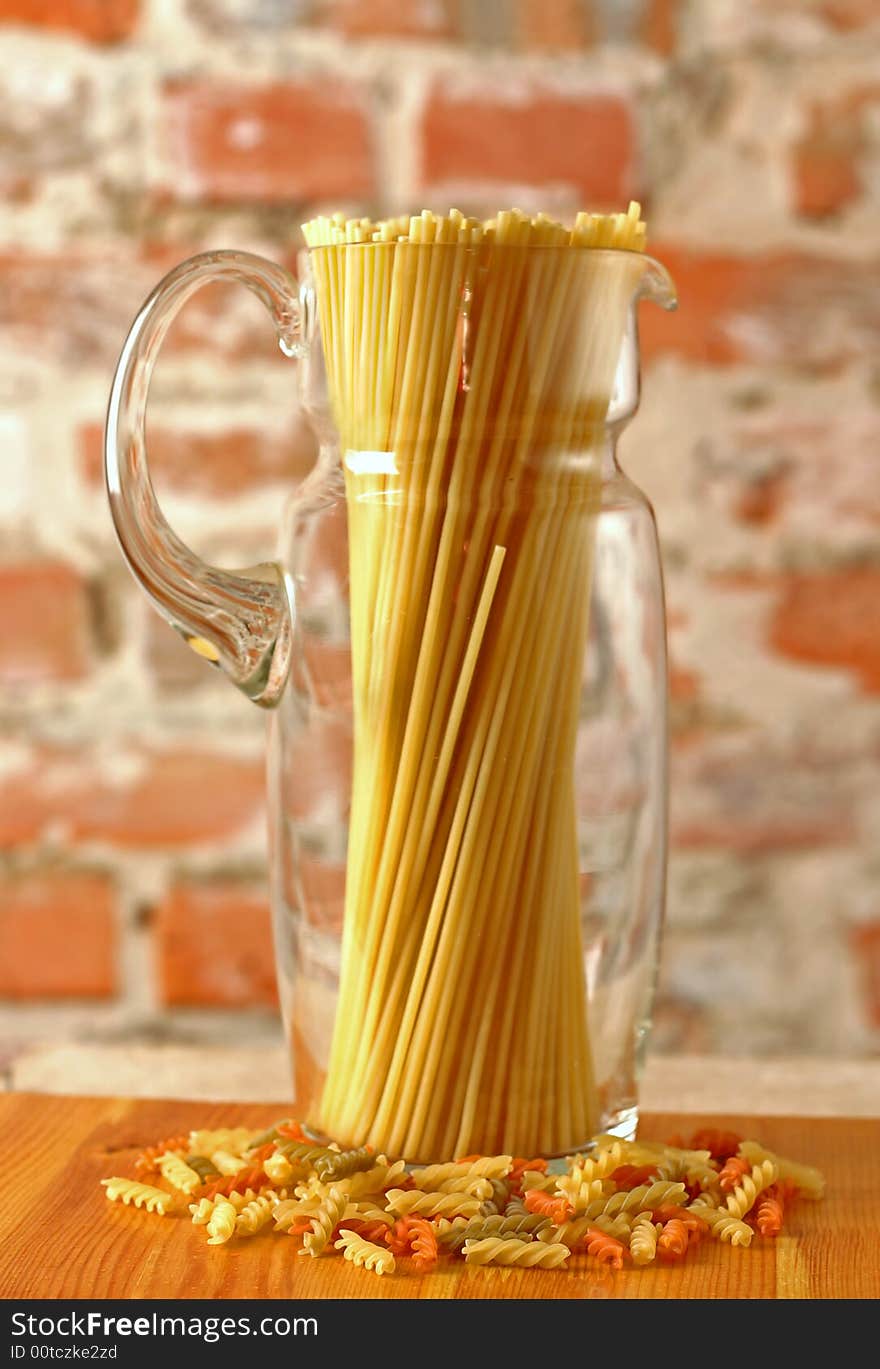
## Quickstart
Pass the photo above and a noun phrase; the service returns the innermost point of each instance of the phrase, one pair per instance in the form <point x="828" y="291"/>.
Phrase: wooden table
<point x="59" y="1237"/>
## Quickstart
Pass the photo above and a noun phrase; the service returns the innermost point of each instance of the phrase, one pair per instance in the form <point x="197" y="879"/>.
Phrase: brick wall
<point x="137" y="131"/>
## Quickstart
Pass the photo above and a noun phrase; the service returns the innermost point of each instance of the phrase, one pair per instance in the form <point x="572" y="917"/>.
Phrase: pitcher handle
<point x="240" y="621"/>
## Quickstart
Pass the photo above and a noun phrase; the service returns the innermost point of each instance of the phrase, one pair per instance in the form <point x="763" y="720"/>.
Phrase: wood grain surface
<point x="60" y="1237"/>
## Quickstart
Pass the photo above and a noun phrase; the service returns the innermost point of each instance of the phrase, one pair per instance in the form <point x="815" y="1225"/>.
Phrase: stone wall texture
<point x="134" y="132"/>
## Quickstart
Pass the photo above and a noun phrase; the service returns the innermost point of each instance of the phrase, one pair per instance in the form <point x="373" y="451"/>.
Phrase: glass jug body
<point x="467" y="764"/>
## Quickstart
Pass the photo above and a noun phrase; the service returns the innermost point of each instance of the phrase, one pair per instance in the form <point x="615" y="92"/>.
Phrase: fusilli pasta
<point x="363" y="1253"/>
<point x="510" y="1251"/>
<point x="135" y="1194"/>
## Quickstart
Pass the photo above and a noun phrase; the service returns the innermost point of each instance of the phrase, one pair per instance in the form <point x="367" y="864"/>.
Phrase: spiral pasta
<point x="732" y="1171"/>
<point x="178" y="1173"/>
<point x="586" y="1171"/>
<point x="278" y="1168"/>
<point x="453" y="1233"/>
<point x="363" y="1253"/>
<point x="147" y="1162"/>
<point x="403" y="1201"/>
<point x="769" y="1211"/>
<point x="429" y="1177"/>
<point x="221" y="1223"/>
<point x="672" y="1242"/>
<point x="135" y="1194"/>
<point x="555" y="1206"/>
<point x="256" y="1214"/>
<point x="509" y="1251"/>
<point x="325" y="1220"/>
<point x="604" y="1248"/>
<point x="490" y="1209"/>
<point x="234" y="1139"/>
<point x="340" y="1164"/>
<point x="807" y="1180"/>
<point x="226" y="1163"/>
<point x="722" y="1224"/>
<point x="743" y="1197"/>
<point x="643" y="1239"/>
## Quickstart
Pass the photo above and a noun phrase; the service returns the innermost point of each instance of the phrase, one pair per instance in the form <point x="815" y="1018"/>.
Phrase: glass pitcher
<point x="462" y="642"/>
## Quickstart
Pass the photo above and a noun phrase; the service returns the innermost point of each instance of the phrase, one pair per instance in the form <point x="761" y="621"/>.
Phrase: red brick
<point x="44" y="623"/>
<point x="865" y="944"/>
<point x="825" y="161"/>
<point x="556" y="25"/>
<point x="217" y="465"/>
<point x="100" y="21"/>
<point x="586" y="143"/>
<point x="776" y="308"/>
<point x="849" y="15"/>
<point x="760" y="500"/>
<point x="76" y="306"/>
<point x="744" y="796"/>
<point x="831" y="618"/>
<point x="155" y="800"/>
<point x="388" y="18"/>
<point x="658" y="25"/>
<point x="214" y="944"/>
<point x="278" y="142"/>
<point x="57" y="936"/>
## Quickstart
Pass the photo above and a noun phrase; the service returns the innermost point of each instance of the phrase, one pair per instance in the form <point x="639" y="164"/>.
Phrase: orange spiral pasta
<point x="148" y="1160"/>
<point x="519" y="1168"/>
<point x="694" y="1224"/>
<point x="550" y="1205"/>
<point x="732" y="1172"/>
<point x="769" y="1211"/>
<point x="720" y="1144"/>
<point x="291" y="1131"/>
<point x="416" y="1234"/>
<point x="237" y="1183"/>
<point x="630" y="1176"/>
<point x="375" y="1232"/>
<point x="672" y="1243"/>
<point x="604" y="1248"/>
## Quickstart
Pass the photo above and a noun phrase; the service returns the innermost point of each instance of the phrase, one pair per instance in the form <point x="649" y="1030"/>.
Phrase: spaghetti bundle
<point x="469" y="368"/>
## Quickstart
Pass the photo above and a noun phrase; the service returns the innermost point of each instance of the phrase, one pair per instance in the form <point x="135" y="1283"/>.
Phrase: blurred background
<point x="133" y="904"/>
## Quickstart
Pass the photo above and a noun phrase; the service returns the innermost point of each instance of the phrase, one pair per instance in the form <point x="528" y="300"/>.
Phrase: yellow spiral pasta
<point x="643" y="1239"/>
<point x="221" y="1223"/>
<point x="228" y="1163"/>
<point x="403" y="1201"/>
<point x="586" y="1195"/>
<point x="325" y="1221"/>
<point x="585" y="1171"/>
<point x="256" y="1214"/>
<point x="378" y="1258"/>
<point x="743" y="1197"/>
<point x="537" y="1180"/>
<point x="634" y="1199"/>
<point x="510" y="1251"/>
<point x="234" y="1139"/>
<point x="178" y="1172"/>
<point x="135" y="1194"/>
<point x="723" y="1225"/>
<point x="807" y="1180"/>
<point x="429" y="1178"/>
<point x="472" y="1185"/>
<point x="278" y="1168"/>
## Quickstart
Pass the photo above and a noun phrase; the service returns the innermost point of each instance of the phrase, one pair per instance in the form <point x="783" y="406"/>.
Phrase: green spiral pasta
<point x="342" y="1163"/>
<point x="203" y="1166"/>
<point x="453" y="1233"/>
